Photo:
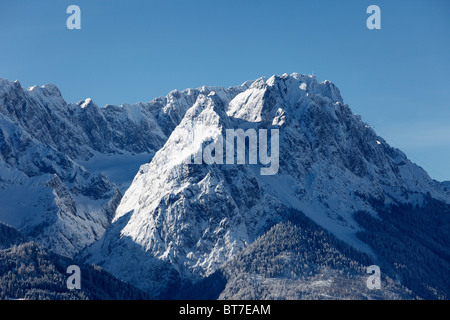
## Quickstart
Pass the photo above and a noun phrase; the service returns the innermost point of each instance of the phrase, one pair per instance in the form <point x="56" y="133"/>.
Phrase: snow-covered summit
<point x="67" y="158"/>
<point x="180" y="221"/>
<point x="192" y="218"/>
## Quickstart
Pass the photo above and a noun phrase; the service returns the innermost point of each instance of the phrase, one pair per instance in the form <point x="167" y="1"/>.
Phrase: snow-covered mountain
<point x="121" y="187"/>
<point x="64" y="167"/>
<point x="48" y="196"/>
<point x="180" y="221"/>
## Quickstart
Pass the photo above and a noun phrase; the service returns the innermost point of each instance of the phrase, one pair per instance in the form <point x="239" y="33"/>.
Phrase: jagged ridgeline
<point x="111" y="186"/>
<point x="64" y="166"/>
<point x="186" y="221"/>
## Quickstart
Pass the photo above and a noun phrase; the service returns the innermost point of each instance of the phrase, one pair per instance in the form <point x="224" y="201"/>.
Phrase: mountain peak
<point x="86" y="103"/>
<point x="6" y="86"/>
<point x="194" y="217"/>
<point x="183" y="220"/>
<point x="46" y="90"/>
<point x="266" y="99"/>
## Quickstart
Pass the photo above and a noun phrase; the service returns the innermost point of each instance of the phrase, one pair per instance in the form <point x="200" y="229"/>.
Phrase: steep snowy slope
<point x="48" y="196"/>
<point x="63" y="167"/>
<point x="186" y="220"/>
<point x="80" y="130"/>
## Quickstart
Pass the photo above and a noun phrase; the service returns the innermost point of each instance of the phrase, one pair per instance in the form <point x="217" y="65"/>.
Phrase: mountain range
<point x="113" y="186"/>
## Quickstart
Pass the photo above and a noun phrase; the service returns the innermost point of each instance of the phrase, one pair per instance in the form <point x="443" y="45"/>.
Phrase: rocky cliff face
<point x="70" y="179"/>
<point x="54" y="156"/>
<point x="186" y="220"/>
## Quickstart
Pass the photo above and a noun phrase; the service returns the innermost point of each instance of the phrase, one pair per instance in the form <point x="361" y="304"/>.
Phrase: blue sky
<point x="396" y="78"/>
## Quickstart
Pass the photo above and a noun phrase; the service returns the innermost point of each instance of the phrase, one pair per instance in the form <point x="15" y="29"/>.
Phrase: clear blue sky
<point x="397" y="78"/>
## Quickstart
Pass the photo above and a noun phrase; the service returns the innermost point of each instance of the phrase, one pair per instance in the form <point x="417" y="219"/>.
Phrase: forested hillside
<point x="29" y="271"/>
